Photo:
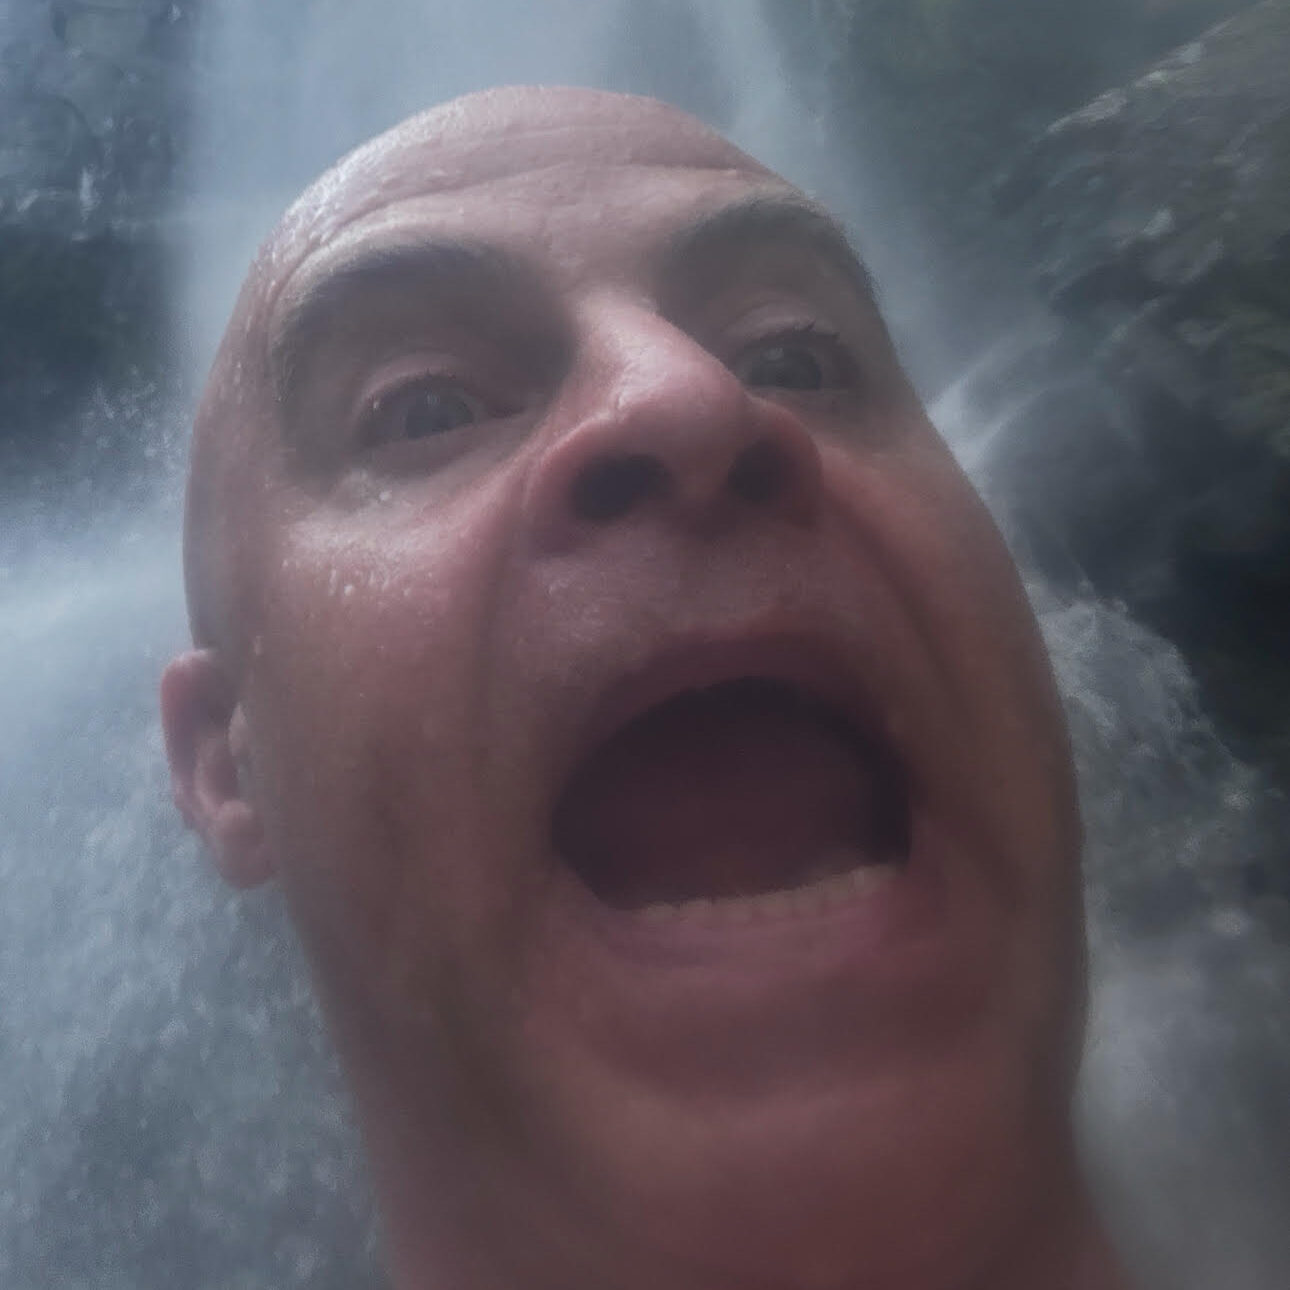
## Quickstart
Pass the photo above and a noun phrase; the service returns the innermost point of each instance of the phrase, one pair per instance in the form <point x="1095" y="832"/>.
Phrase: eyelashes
<point x="799" y="359"/>
<point x="445" y="407"/>
<point x="425" y="408"/>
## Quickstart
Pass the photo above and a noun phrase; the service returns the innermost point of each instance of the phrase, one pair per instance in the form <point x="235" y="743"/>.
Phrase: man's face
<point x="647" y="724"/>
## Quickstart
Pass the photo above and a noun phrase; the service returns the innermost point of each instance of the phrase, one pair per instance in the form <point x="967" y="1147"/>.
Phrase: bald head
<point x="503" y="132"/>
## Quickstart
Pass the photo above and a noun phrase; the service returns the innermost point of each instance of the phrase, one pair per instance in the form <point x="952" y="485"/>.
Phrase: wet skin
<point x="538" y="413"/>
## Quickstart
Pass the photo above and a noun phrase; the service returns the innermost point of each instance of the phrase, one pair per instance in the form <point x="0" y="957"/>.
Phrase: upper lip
<point x="818" y="663"/>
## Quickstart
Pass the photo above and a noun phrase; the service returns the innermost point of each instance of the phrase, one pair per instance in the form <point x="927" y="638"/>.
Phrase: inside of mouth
<point x="737" y="790"/>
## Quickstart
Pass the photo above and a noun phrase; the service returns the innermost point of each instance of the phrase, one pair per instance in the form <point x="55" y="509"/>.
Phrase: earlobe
<point x="206" y="744"/>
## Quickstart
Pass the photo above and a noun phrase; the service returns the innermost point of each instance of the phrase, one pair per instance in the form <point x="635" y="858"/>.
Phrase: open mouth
<point x="749" y="798"/>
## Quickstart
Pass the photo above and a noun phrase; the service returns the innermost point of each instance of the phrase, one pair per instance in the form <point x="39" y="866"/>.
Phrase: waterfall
<point x="171" y="1114"/>
<point x="1188" y="1052"/>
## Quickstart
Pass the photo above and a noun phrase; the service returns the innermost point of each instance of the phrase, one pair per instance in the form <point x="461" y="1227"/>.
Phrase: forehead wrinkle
<point x="767" y="218"/>
<point x="429" y="154"/>
<point x="383" y="176"/>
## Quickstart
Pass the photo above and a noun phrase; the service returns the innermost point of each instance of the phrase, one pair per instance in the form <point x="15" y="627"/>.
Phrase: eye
<point x="784" y="367"/>
<point x="803" y="361"/>
<point x="420" y="411"/>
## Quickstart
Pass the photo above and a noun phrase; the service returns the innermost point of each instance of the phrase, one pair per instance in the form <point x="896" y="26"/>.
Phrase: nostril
<point x="762" y="472"/>
<point x="612" y="486"/>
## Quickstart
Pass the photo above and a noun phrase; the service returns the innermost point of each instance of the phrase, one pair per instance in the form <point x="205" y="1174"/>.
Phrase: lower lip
<point x="703" y="1002"/>
<point x="874" y="918"/>
<point x="855" y="878"/>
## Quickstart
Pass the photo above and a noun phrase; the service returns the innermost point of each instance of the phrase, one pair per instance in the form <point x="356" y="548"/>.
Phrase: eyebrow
<point x="766" y="220"/>
<point x="450" y="264"/>
<point x="462" y="266"/>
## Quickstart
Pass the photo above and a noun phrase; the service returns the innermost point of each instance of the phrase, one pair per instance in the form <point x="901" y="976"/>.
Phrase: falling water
<point x="1184" y="1112"/>
<point x="170" y="1112"/>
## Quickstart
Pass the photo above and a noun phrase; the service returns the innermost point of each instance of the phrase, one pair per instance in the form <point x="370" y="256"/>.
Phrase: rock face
<point x="92" y="98"/>
<point x="929" y="99"/>
<point x="957" y="84"/>
<point x="1158" y="221"/>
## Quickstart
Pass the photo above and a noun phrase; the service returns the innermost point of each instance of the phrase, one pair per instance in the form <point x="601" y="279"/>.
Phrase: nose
<point x="660" y="423"/>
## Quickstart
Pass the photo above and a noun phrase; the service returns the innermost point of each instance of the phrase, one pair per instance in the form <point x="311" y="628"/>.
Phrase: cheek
<point x="365" y="706"/>
<point x="935" y="541"/>
<point x="1009" y="694"/>
<point x="979" y="609"/>
<point x="1003" y="756"/>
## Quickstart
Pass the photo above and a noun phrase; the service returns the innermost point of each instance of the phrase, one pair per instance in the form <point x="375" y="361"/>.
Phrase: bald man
<point x="646" y="724"/>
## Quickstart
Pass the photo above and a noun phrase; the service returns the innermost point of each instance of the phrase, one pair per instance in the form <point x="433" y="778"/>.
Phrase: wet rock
<point x="1158" y="219"/>
<point x="931" y="101"/>
<point x="92" y="98"/>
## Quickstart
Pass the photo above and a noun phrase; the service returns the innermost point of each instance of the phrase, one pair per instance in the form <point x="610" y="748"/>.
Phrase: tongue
<point x="735" y="790"/>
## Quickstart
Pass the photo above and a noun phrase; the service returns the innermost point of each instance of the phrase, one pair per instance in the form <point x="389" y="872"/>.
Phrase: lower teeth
<point x="814" y="898"/>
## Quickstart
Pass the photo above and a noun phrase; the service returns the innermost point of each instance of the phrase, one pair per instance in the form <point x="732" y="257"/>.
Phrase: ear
<point x="206" y="746"/>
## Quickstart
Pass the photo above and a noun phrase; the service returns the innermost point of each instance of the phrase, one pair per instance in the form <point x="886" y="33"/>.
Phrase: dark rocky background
<point x="1156" y="221"/>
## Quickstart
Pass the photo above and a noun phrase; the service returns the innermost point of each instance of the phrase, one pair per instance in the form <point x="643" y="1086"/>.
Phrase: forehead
<point x="578" y="197"/>
<point x="506" y="134"/>
<point x="572" y="223"/>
